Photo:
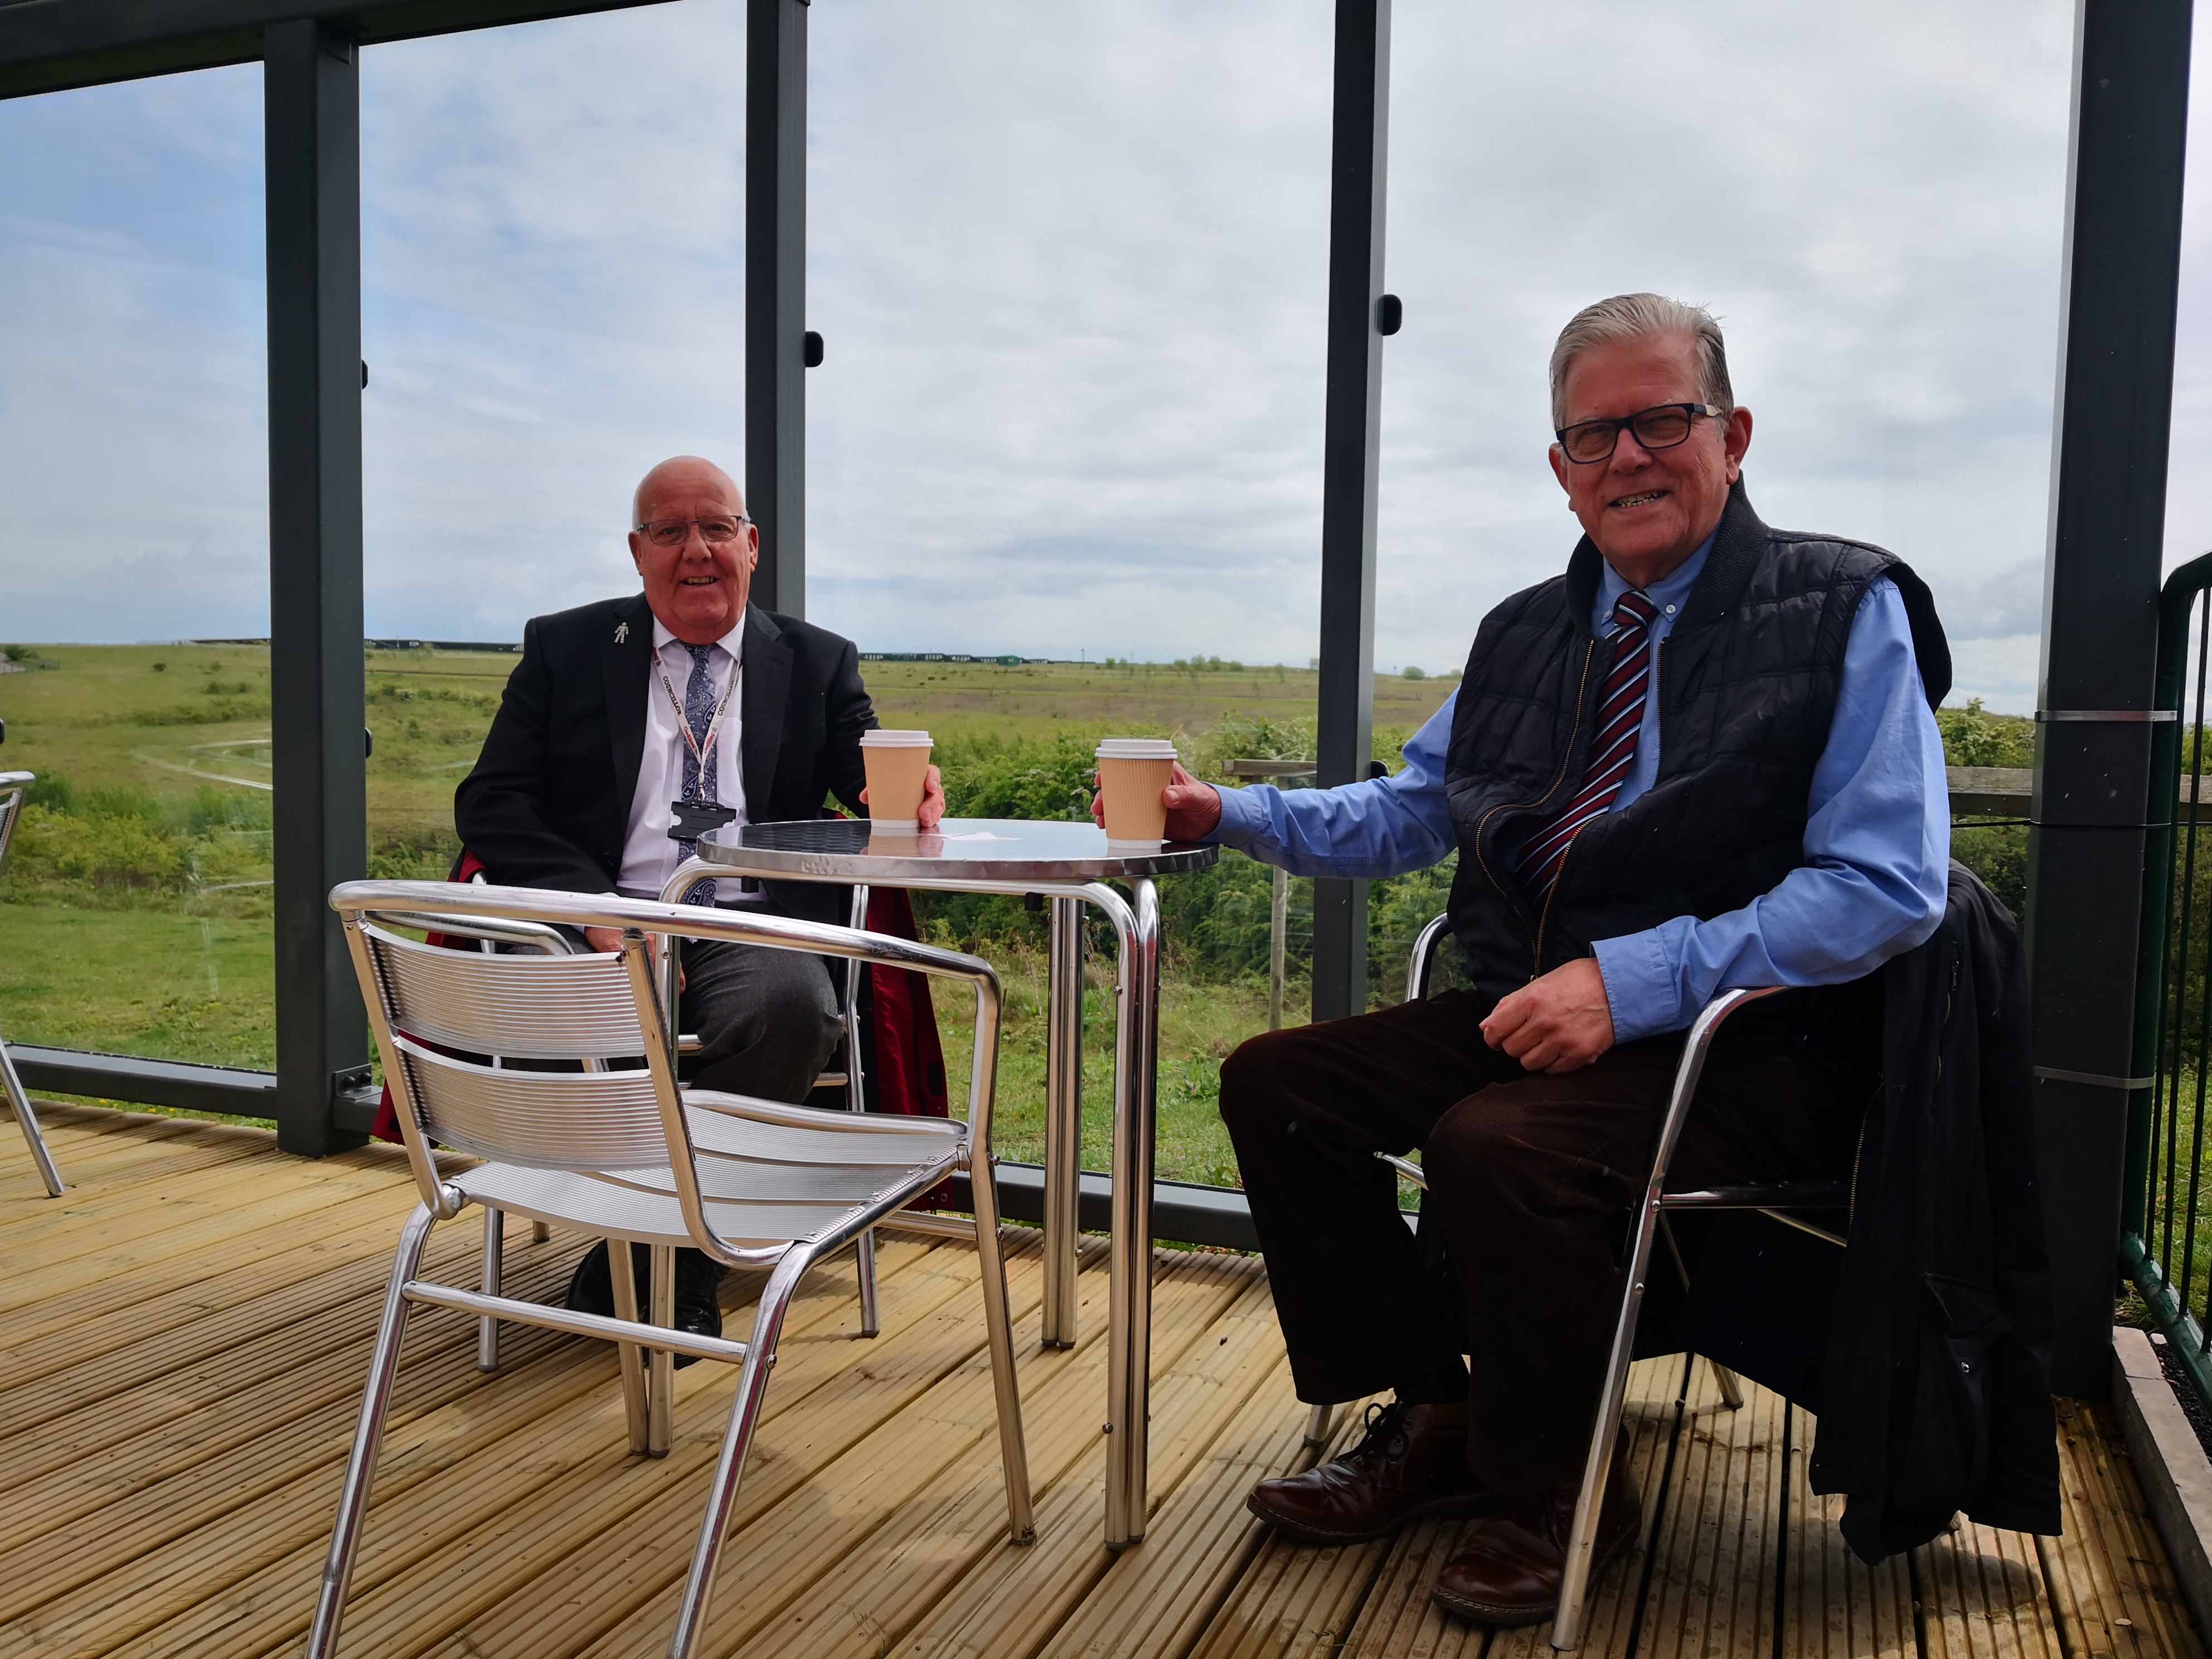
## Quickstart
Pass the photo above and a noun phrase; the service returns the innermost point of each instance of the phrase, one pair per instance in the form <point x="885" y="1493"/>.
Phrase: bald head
<point x="698" y="588"/>
<point x="686" y="474"/>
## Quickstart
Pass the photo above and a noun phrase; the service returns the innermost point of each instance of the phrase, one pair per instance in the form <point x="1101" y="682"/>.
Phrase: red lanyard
<point x="700" y="751"/>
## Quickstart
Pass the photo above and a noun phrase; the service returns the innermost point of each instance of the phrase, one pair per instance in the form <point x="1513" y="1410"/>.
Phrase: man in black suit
<point x="682" y="692"/>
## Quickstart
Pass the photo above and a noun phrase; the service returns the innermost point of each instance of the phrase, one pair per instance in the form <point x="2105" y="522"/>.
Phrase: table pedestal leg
<point x="1063" y="1130"/>
<point x="1129" y="1337"/>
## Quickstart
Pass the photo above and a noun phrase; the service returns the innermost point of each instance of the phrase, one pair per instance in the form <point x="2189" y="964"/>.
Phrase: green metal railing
<point x="2161" y="1250"/>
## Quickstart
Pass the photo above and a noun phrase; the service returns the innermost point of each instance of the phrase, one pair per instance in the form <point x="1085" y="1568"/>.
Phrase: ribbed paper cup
<point x="1132" y="774"/>
<point x="897" y="763"/>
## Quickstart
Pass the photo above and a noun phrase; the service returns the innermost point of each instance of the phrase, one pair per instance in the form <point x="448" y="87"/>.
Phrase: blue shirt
<point x="1877" y="832"/>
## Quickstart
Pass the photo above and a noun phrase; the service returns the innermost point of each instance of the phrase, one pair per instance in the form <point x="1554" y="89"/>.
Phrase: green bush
<point x="124" y="838"/>
<point x="102" y="852"/>
<point x="1974" y="738"/>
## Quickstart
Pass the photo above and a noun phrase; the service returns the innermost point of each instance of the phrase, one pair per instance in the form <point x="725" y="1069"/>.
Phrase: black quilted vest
<point x="1746" y="685"/>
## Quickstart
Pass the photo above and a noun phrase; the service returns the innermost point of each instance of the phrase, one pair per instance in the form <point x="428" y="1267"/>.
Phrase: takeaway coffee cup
<point x="1132" y="774"/>
<point x="898" y="765"/>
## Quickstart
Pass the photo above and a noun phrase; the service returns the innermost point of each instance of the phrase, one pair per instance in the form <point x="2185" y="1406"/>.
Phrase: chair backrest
<point x="440" y="1014"/>
<point x="13" y="787"/>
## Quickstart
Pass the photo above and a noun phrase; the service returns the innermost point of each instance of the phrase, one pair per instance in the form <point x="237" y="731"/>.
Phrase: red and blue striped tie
<point x="1612" y="751"/>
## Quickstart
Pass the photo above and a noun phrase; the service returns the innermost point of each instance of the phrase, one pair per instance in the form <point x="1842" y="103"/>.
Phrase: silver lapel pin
<point x="622" y="632"/>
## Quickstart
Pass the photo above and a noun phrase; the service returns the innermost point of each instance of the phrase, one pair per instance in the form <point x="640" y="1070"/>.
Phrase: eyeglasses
<point x="717" y="528"/>
<point x="1661" y="427"/>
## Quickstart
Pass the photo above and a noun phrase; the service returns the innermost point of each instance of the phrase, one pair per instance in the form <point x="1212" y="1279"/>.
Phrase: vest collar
<point x="1737" y="545"/>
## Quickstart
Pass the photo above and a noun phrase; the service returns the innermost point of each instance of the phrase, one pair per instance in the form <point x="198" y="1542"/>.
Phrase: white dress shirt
<point x="649" y="857"/>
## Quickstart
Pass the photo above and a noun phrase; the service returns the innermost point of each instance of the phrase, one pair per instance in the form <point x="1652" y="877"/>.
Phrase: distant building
<point x="943" y="656"/>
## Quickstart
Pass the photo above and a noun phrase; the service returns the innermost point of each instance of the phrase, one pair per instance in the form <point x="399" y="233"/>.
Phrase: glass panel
<point x="135" y="915"/>
<point x="1884" y="256"/>
<point x="552" y="300"/>
<point x="1071" y="266"/>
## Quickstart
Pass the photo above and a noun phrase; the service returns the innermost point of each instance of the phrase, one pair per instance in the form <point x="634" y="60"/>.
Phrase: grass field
<point x="975" y="699"/>
<point x="136" y="918"/>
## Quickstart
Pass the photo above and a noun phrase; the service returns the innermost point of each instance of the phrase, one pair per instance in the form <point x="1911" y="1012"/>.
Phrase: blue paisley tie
<point x="699" y="714"/>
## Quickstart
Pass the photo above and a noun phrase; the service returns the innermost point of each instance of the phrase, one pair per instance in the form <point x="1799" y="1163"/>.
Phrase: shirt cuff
<point x="1639" y="986"/>
<point x="1243" y="819"/>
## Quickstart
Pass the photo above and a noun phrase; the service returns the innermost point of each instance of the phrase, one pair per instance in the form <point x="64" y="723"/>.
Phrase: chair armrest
<point x="1423" y="962"/>
<point x="1695" y="1047"/>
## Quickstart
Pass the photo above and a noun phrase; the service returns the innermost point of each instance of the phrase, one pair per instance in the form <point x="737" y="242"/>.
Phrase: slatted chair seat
<point x="580" y="1124"/>
<point x="614" y="1208"/>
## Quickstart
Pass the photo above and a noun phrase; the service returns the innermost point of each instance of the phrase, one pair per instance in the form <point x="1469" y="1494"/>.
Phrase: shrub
<point x="1974" y="738"/>
<point x="124" y="838"/>
<point x="103" y="852"/>
<point x="53" y="791"/>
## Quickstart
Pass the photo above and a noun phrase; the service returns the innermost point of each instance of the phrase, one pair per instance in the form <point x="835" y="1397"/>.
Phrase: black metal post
<point x="311" y="96"/>
<point x="2101" y="627"/>
<point x="775" y="297"/>
<point x="1358" y="158"/>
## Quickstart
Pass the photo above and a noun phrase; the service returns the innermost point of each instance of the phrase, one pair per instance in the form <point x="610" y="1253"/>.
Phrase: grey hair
<point x="1633" y="317"/>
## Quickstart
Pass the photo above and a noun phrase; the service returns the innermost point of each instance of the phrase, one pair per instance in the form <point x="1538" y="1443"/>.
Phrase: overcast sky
<point x="1069" y="260"/>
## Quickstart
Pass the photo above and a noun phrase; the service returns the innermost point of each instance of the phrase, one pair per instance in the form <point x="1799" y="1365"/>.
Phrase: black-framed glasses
<point x="716" y="527"/>
<point x="1661" y="427"/>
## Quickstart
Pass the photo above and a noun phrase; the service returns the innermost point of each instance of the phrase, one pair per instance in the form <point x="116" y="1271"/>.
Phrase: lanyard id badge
<point x="689" y="819"/>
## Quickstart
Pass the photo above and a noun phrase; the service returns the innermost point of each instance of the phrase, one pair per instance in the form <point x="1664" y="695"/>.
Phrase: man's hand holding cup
<point x="1194" y="809"/>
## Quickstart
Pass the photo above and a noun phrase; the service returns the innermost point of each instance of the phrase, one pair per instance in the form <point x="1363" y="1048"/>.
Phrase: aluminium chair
<point x="625" y="1152"/>
<point x="492" y="935"/>
<point x="1794" y="1203"/>
<point x="13" y="787"/>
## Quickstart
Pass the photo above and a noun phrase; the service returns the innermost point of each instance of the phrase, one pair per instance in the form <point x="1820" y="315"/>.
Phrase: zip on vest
<point x="1511" y="891"/>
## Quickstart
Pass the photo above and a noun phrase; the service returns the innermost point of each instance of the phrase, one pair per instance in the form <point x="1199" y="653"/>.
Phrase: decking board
<point x="184" y="1336"/>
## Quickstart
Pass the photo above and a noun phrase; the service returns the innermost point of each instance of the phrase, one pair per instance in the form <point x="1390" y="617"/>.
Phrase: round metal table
<point x="1068" y="864"/>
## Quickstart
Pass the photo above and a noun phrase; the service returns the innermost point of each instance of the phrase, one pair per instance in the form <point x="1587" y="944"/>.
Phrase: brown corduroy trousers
<point x="1531" y="1175"/>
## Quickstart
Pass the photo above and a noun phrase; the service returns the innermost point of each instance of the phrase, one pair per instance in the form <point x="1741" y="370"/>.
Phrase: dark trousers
<point x="767" y="1020"/>
<point x="1530" y="1175"/>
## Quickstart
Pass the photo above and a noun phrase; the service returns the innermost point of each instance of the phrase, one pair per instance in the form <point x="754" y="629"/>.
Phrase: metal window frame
<point x="2086" y="839"/>
<point x="2129" y="130"/>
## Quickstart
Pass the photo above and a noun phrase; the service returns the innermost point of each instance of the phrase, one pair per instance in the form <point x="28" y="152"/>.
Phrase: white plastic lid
<point x="1135" y="749"/>
<point x="883" y="739"/>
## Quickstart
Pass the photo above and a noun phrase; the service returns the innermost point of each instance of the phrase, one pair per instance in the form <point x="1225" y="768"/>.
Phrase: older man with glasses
<point x="1704" y="757"/>
<point x="684" y="694"/>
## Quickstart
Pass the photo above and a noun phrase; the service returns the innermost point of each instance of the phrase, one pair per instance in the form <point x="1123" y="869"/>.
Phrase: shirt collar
<point x="733" y="642"/>
<point x="1667" y="593"/>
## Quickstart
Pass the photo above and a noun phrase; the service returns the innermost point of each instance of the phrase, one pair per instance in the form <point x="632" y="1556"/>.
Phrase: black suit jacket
<point x="548" y="804"/>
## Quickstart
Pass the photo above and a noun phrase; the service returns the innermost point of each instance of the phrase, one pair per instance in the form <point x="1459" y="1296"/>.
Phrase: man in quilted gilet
<point x="1704" y="756"/>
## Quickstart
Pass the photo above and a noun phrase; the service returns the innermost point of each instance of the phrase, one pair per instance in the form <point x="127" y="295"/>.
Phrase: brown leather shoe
<point x="1509" y="1571"/>
<point x="1411" y="1462"/>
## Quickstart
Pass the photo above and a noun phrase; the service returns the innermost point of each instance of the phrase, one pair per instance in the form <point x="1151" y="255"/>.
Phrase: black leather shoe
<point x="592" y="1286"/>
<point x="592" y="1290"/>
<point x="697" y="1319"/>
<point x="1410" y="1463"/>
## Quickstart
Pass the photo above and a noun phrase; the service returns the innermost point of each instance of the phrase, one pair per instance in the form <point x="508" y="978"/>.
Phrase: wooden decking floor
<point x="183" y="1339"/>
